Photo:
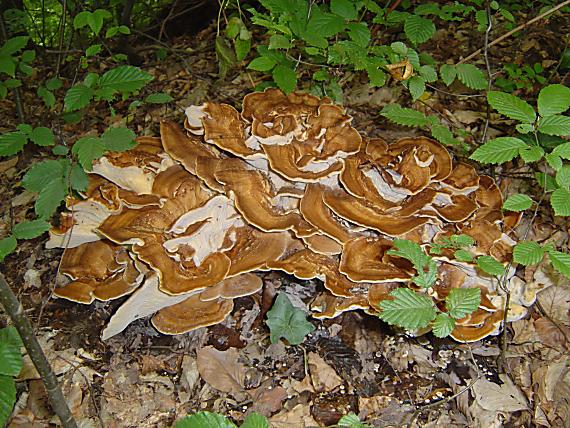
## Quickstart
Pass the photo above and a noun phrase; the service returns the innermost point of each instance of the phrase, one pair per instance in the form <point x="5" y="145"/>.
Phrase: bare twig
<point x="61" y="35"/>
<point x="515" y="30"/>
<point x="170" y="13"/>
<point x="488" y="66"/>
<point x="16" y="312"/>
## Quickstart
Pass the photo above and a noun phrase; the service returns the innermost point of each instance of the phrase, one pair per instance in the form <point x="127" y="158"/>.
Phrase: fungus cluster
<point x="184" y="222"/>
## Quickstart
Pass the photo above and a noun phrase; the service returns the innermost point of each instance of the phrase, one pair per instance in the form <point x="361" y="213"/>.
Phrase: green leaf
<point x="87" y="150"/>
<point x="351" y="421"/>
<point x="560" y="262"/>
<point x="324" y="24"/>
<point x="489" y="265"/>
<point x="47" y="96"/>
<point x="7" y="397"/>
<point x="344" y="8"/>
<point x="563" y="176"/>
<point x="359" y="33"/>
<point x="286" y="321"/>
<point x="8" y="65"/>
<point x="42" y="136"/>
<point x="418" y="29"/>
<point x="555" y="125"/>
<point x="77" y="97"/>
<point x="560" y="201"/>
<point x="417" y="86"/>
<point x="204" y="420"/>
<point x="226" y="56"/>
<point x="28" y="56"/>
<point x="553" y="161"/>
<point x="443" y="325"/>
<point x="428" y="73"/>
<point x="60" y="150"/>
<point x="562" y="150"/>
<point x="404" y="116"/>
<point x="376" y="76"/>
<point x="279" y="41"/>
<point x="242" y="48"/>
<point x="118" y="139"/>
<point x="14" y="45"/>
<point x="25" y="129"/>
<point x="531" y="153"/>
<point x="285" y="77"/>
<point x="54" y="83"/>
<point x="30" y="229"/>
<point x="442" y="134"/>
<point x="553" y="99"/>
<point x="517" y="203"/>
<point x="80" y="19"/>
<point x="463" y="256"/>
<point x="7" y="246"/>
<point x="414" y="253"/>
<point x="547" y="182"/>
<point x="471" y="76"/>
<point x="42" y="173"/>
<point x="262" y="63"/>
<point x="462" y="301"/>
<point x="95" y="19"/>
<point x="158" y="98"/>
<point x="11" y="361"/>
<point x="79" y="178"/>
<point x="524" y="128"/>
<point x="255" y="420"/>
<point x="527" y="253"/>
<point x="499" y="150"/>
<point x="12" y="143"/>
<point x="93" y="50"/>
<point x="124" y="79"/>
<point x="50" y="198"/>
<point x="511" y="106"/>
<point x="409" y="310"/>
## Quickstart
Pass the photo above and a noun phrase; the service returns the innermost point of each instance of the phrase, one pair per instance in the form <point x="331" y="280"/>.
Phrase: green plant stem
<point x="16" y="312"/>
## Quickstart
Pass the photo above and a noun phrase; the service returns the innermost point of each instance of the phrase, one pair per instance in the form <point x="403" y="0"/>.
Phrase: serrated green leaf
<point x="158" y="98"/>
<point x="463" y="256"/>
<point x="279" y="41"/>
<point x="511" y="106"/>
<point x="42" y="136"/>
<point x="418" y="29"/>
<point x="324" y="24"/>
<point x="460" y="302"/>
<point x="7" y="397"/>
<point x="14" y="44"/>
<point x="285" y="77"/>
<point x="562" y="150"/>
<point x="499" y="150"/>
<point x="242" y="48"/>
<point x="54" y="83"/>
<point x="262" y="63"/>
<point x="25" y="129"/>
<point x="87" y="150"/>
<point x="443" y="325"/>
<point x="93" y="50"/>
<point x="225" y="54"/>
<point x="400" y="48"/>
<point x="359" y="33"/>
<point x="8" y="65"/>
<point x="489" y="265"/>
<point x="28" y="56"/>
<point x="80" y="20"/>
<point x="118" y="139"/>
<point x="404" y="116"/>
<point x="563" y="176"/>
<point x="376" y="76"/>
<point x="50" y="198"/>
<point x="12" y="143"/>
<point x="351" y="421"/>
<point x="524" y="128"/>
<point x="428" y="73"/>
<point x="547" y="182"/>
<point x="517" y="203"/>
<point x="471" y="76"/>
<point x="560" y="262"/>
<point x="30" y="229"/>
<point x="528" y="253"/>
<point x="560" y="201"/>
<point x="553" y="99"/>
<point x="555" y="125"/>
<point x="409" y="310"/>
<point x="442" y="134"/>
<point x="7" y="246"/>
<point x="42" y="173"/>
<point x="531" y="153"/>
<point x="255" y="420"/>
<point x="286" y="321"/>
<point x="47" y="96"/>
<point x="417" y="86"/>
<point x="204" y="420"/>
<point x="344" y="8"/>
<point x="79" y="178"/>
<point x="12" y="83"/>
<point x="77" y="97"/>
<point x="423" y="264"/>
<point x="124" y="79"/>
<point x="553" y="161"/>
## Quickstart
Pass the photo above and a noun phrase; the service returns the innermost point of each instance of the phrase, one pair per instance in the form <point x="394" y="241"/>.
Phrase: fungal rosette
<point x="186" y="222"/>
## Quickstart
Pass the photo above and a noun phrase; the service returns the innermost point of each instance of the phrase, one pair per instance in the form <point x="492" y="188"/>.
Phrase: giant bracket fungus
<point x="183" y="223"/>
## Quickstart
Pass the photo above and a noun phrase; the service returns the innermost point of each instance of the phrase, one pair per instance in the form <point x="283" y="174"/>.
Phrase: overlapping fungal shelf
<point x="185" y="222"/>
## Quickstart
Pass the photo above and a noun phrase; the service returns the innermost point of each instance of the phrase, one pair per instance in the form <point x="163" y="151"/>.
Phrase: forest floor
<point x="352" y="363"/>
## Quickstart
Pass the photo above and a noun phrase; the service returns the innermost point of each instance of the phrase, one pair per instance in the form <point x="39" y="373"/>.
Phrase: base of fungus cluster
<point x="185" y="222"/>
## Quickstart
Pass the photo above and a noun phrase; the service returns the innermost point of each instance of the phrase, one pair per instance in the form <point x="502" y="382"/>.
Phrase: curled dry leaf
<point x="221" y="369"/>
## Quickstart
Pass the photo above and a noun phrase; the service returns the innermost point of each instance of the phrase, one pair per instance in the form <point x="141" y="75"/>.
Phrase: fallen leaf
<point x="323" y="376"/>
<point x="221" y="369"/>
<point x="267" y="399"/>
<point x="499" y="398"/>
<point x="298" y="417"/>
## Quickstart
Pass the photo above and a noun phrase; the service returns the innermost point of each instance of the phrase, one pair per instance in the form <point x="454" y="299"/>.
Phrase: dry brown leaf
<point x="221" y="369"/>
<point x="499" y="398"/>
<point x="323" y="376"/>
<point x="267" y="399"/>
<point x="555" y="301"/>
<point x="298" y="417"/>
<point x="551" y="334"/>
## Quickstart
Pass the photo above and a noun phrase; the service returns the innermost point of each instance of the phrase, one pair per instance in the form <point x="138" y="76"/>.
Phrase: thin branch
<point x="61" y="36"/>
<point x="16" y="312"/>
<point x="515" y="30"/>
<point x="489" y="71"/>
